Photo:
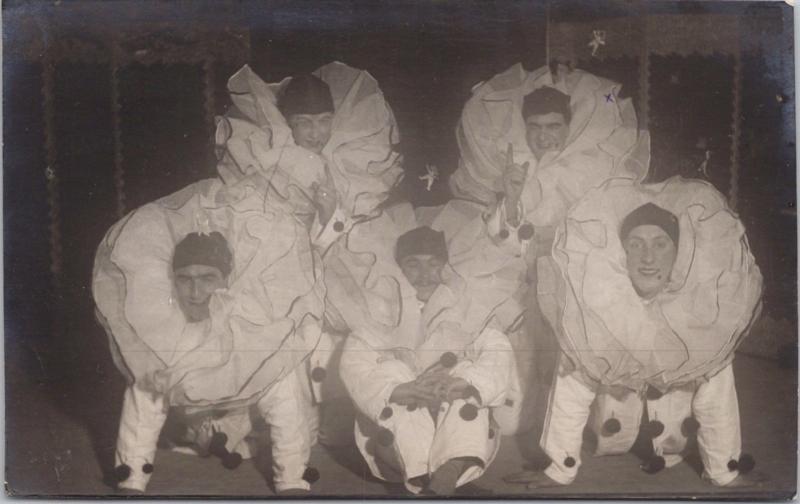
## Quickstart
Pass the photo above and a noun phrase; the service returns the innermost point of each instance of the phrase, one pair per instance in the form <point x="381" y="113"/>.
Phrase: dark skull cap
<point x="650" y="214"/>
<point x="205" y="249"/>
<point x="305" y="94"/>
<point x="423" y="241"/>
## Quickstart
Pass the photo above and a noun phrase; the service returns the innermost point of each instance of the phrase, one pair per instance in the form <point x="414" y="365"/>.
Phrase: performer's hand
<point x="455" y="388"/>
<point x="411" y="393"/>
<point x="325" y="197"/>
<point x="514" y="176"/>
<point x="432" y="377"/>
<point x="532" y="479"/>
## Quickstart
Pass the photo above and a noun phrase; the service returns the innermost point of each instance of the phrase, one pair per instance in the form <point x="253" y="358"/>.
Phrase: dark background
<point x="426" y="57"/>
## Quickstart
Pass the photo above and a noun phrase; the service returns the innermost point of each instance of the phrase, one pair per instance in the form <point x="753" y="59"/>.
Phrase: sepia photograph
<point x="513" y="249"/>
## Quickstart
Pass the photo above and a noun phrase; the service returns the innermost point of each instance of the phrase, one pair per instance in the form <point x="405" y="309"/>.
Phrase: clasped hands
<point x="433" y="386"/>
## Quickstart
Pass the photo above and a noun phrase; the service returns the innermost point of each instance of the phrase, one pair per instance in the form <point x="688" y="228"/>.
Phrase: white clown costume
<point x="393" y="339"/>
<point x="261" y="327"/>
<point x="671" y="354"/>
<point x="603" y="142"/>
<point x="359" y="159"/>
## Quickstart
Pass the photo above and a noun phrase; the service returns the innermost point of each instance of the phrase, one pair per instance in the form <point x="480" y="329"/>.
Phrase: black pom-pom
<point x="448" y="360"/>
<point x="386" y="413"/>
<point x="654" y="465"/>
<point x="654" y="428"/>
<point x="147" y="468"/>
<point x="569" y="462"/>
<point x="746" y="463"/>
<point x="338" y="226"/>
<point x="217" y="444"/>
<point x="318" y="374"/>
<point x="122" y="472"/>
<point x="385" y="437"/>
<point x="310" y="475"/>
<point x="653" y="393"/>
<point x="491" y="433"/>
<point x="411" y="407"/>
<point x="468" y="412"/>
<point x="733" y="464"/>
<point x="503" y="234"/>
<point x="690" y="426"/>
<point x="525" y="231"/>
<point x="611" y="426"/>
<point x="231" y="460"/>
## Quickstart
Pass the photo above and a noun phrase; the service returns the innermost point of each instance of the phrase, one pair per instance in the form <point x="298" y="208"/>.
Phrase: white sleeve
<point x="370" y="378"/>
<point x="143" y="416"/>
<point x="510" y="239"/>
<point x="490" y="371"/>
<point x="324" y="236"/>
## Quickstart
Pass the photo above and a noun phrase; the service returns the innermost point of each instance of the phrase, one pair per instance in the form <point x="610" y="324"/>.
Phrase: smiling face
<point x="650" y="257"/>
<point x="424" y="272"/>
<point x="546" y="132"/>
<point x="311" y="131"/>
<point x="194" y="285"/>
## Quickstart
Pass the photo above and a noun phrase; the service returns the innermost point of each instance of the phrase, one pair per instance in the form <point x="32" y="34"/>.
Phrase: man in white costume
<point x="325" y="142"/>
<point x="425" y="387"/>
<point x="657" y="289"/>
<point x="531" y="144"/>
<point x="211" y="299"/>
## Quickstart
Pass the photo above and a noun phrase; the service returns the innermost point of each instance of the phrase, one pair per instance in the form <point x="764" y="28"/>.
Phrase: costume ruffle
<point x="261" y="326"/>
<point x="359" y="155"/>
<point x="604" y="141"/>
<point x="692" y="328"/>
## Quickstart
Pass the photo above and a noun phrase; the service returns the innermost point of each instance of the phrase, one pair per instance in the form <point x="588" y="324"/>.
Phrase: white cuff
<point x="338" y="225"/>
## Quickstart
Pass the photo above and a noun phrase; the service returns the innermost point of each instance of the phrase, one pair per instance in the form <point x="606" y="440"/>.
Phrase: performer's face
<point x="311" y="131"/>
<point x="194" y="285"/>
<point x="650" y="258"/>
<point x="546" y="132"/>
<point x="424" y="272"/>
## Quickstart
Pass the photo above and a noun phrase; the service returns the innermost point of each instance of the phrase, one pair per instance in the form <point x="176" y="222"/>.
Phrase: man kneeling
<point x="425" y="389"/>
<point x="201" y="266"/>
<point x="660" y="295"/>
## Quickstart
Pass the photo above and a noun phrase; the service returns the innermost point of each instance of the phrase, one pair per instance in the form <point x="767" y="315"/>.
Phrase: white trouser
<point x="329" y="403"/>
<point x="289" y="433"/>
<point x="714" y="405"/>
<point x="144" y="414"/>
<point x="421" y="446"/>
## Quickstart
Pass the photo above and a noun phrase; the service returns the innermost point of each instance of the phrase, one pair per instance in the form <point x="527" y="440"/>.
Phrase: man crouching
<point x="425" y="389"/>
